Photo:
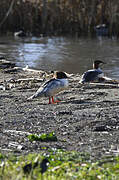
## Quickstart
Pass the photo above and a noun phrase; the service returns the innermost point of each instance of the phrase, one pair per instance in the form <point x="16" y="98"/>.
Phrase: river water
<point x="73" y="55"/>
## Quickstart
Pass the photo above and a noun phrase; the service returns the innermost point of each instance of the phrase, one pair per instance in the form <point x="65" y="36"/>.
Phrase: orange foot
<point x="53" y="102"/>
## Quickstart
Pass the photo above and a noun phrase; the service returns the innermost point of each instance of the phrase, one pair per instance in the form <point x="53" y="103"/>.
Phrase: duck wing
<point x="49" y="88"/>
<point x="90" y="75"/>
<point x="54" y="86"/>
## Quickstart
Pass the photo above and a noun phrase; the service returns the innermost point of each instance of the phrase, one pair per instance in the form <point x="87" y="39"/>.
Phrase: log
<point x="34" y="71"/>
<point x="28" y="69"/>
<point x="108" y="82"/>
<point x="25" y="80"/>
<point x="105" y="84"/>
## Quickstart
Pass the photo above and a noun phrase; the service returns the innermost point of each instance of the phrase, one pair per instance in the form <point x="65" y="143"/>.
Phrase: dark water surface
<point x="61" y="53"/>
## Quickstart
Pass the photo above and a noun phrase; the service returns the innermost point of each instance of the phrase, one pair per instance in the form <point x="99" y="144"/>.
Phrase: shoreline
<point x="87" y="120"/>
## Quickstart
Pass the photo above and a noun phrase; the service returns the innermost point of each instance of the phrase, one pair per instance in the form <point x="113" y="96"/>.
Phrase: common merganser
<point x="5" y="63"/>
<point x="20" y="33"/>
<point x="52" y="87"/>
<point x="94" y="74"/>
<point x="102" y="30"/>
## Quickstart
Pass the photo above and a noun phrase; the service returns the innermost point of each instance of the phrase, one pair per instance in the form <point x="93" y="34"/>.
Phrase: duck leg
<point x="54" y="101"/>
<point x="51" y="100"/>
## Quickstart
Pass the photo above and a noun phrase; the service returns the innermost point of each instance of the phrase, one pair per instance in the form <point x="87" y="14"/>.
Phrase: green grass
<point x="58" y="165"/>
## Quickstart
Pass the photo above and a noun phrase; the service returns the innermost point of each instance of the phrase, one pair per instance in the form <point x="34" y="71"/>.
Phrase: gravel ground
<point x="86" y="120"/>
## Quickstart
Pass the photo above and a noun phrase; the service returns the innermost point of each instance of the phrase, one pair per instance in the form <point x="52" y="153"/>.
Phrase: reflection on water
<point x="61" y="53"/>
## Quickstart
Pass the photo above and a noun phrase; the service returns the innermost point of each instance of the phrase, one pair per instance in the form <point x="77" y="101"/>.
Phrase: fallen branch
<point x="28" y="69"/>
<point x="25" y="80"/>
<point x="18" y="69"/>
<point x="105" y="84"/>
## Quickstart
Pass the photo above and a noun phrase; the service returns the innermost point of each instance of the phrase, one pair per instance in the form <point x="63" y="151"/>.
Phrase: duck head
<point x="97" y="63"/>
<point x="60" y="75"/>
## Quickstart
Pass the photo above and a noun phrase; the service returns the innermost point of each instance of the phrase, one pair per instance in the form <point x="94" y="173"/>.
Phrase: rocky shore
<point x="86" y="120"/>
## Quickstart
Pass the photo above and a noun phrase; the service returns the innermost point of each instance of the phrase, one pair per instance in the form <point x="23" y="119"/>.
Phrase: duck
<point x="49" y="89"/>
<point x="102" y="30"/>
<point x="93" y="74"/>
<point x="4" y="63"/>
<point x="20" y="33"/>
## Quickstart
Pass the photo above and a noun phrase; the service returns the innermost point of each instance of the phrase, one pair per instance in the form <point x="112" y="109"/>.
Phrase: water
<point x="60" y="53"/>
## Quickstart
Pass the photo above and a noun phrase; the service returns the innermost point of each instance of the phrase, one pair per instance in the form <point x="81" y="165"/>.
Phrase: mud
<point x="86" y="120"/>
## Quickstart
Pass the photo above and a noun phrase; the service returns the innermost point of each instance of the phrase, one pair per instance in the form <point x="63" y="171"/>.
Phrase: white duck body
<point x="92" y="75"/>
<point x="51" y="88"/>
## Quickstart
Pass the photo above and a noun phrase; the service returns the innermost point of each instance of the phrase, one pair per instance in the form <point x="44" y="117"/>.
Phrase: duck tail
<point x="36" y="95"/>
<point x="82" y="81"/>
<point x="31" y="97"/>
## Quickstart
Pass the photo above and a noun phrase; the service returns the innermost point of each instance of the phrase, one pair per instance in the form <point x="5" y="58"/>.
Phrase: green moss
<point x="43" y="137"/>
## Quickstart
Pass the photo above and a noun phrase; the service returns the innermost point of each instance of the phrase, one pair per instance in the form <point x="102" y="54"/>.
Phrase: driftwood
<point x="32" y="70"/>
<point x="42" y="73"/>
<point x="24" y="80"/>
<point x="29" y="79"/>
<point x="15" y="145"/>
<point x="106" y="84"/>
<point x="26" y="69"/>
<point x="17" y="69"/>
<point x="14" y="132"/>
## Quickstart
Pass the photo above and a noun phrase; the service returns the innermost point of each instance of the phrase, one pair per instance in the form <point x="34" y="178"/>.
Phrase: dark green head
<point x="96" y="64"/>
<point x="61" y="75"/>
